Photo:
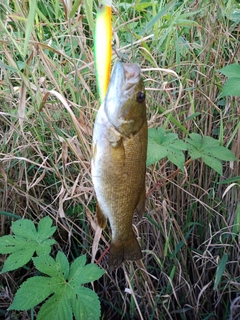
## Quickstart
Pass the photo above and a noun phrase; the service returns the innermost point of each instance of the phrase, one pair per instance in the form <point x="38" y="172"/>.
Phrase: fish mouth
<point x="124" y="77"/>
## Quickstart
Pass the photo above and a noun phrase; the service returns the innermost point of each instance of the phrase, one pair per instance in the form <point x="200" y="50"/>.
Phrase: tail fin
<point x="122" y="250"/>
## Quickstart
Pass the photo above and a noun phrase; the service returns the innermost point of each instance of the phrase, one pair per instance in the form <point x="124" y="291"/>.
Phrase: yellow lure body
<point x="103" y="48"/>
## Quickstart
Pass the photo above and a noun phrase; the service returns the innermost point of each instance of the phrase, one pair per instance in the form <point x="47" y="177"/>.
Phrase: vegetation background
<point x="48" y="103"/>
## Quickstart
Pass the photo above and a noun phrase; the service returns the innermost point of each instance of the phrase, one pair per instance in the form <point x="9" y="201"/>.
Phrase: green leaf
<point x="221" y="153"/>
<point x="162" y="144"/>
<point x="56" y="307"/>
<point x="62" y="264"/>
<point x="213" y="163"/>
<point x="156" y="135"/>
<point x="231" y="71"/>
<point x="30" y="23"/>
<point x="75" y="6"/>
<point x="196" y="139"/>
<point x="9" y="244"/>
<point x="231" y="88"/>
<point x="25" y="242"/>
<point x="230" y="180"/>
<point x="160" y="14"/>
<point x="179" y="145"/>
<point x="193" y="152"/>
<point x="88" y="307"/>
<point x="45" y="229"/>
<point x="209" y="150"/>
<point x="80" y="273"/>
<point x="155" y="152"/>
<point x="220" y="270"/>
<point x="69" y="297"/>
<point x="24" y="228"/>
<point x="45" y="247"/>
<point x="192" y="116"/>
<point x="177" y="158"/>
<point x="33" y="291"/>
<point x="88" y="5"/>
<point x="18" y="258"/>
<point x="209" y="142"/>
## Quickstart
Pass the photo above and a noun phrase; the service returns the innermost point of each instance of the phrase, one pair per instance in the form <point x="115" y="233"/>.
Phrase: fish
<point x="103" y="47"/>
<point x="119" y="160"/>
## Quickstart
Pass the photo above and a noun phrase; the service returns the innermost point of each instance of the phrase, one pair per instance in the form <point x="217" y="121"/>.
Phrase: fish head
<point x="124" y="103"/>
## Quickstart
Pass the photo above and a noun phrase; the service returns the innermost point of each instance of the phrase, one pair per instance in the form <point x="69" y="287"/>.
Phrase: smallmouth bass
<point x="119" y="160"/>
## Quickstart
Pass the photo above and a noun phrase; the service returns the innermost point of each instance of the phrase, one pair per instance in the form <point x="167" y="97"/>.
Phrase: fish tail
<point x="121" y="250"/>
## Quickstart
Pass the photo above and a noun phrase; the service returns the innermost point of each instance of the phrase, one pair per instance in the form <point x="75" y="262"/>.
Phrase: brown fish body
<point x="119" y="160"/>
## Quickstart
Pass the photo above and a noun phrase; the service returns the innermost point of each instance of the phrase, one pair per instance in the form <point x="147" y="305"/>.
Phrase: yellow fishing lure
<point x="103" y="47"/>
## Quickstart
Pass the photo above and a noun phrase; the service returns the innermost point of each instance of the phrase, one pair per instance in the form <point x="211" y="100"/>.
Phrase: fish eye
<point x="140" y="96"/>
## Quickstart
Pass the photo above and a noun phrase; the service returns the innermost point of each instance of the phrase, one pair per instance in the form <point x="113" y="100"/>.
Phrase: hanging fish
<point x="119" y="160"/>
<point x="103" y="47"/>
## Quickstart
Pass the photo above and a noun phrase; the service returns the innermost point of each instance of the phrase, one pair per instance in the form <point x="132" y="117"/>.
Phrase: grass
<point x="48" y="105"/>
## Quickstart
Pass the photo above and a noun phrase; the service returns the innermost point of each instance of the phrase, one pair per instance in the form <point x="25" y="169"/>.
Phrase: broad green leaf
<point x="220" y="270"/>
<point x="194" y="152"/>
<point x="213" y="163"/>
<point x="24" y="228"/>
<point x="45" y="247"/>
<point x="18" y="259"/>
<point x="80" y="273"/>
<point x="162" y="144"/>
<point x="86" y="307"/>
<point x="10" y="244"/>
<point x="231" y="88"/>
<point x="231" y="71"/>
<point x="176" y="157"/>
<point x="156" y="134"/>
<point x="69" y="296"/>
<point x="221" y="153"/>
<point x="45" y="229"/>
<point x="209" y="150"/>
<point x="76" y="265"/>
<point x="46" y="264"/>
<point x="25" y="242"/>
<point x="56" y="307"/>
<point x="33" y="291"/>
<point x="169" y="138"/>
<point x="196" y="138"/>
<point x="62" y="264"/>
<point x="179" y="145"/>
<point x="89" y="273"/>
<point x="155" y="152"/>
<point x="209" y="142"/>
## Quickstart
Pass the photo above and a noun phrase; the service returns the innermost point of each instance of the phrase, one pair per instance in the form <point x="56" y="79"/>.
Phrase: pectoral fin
<point x="101" y="218"/>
